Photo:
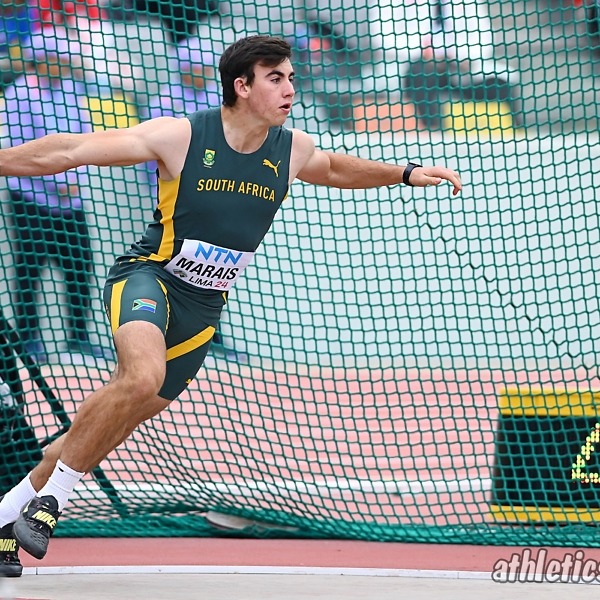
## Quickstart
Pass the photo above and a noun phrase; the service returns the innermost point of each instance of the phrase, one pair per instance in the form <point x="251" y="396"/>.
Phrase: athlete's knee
<point x="141" y="360"/>
<point x="141" y="384"/>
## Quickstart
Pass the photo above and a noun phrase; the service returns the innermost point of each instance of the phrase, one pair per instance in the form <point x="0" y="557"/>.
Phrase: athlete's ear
<point x="241" y="87"/>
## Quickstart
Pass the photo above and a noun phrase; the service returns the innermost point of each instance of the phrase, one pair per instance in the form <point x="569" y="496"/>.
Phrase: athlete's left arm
<point x="333" y="169"/>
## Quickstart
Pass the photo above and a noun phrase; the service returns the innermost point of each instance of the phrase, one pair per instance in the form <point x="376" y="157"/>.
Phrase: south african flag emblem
<point x="144" y="304"/>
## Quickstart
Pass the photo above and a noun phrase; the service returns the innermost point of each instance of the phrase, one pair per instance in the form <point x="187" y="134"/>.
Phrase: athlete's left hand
<point x="424" y="176"/>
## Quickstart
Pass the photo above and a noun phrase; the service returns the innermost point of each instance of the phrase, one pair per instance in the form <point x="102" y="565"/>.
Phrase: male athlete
<point x="223" y="174"/>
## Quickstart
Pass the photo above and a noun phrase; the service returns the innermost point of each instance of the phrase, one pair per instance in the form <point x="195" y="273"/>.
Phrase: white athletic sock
<point x="61" y="484"/>
<point x="15" y="500"/>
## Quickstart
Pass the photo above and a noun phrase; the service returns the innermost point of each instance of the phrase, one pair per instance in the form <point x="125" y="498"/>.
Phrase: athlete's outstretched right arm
<point x="152" y="140"/>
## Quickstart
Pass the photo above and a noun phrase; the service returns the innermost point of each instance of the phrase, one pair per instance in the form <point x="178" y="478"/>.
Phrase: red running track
<point x="73" y="552"/>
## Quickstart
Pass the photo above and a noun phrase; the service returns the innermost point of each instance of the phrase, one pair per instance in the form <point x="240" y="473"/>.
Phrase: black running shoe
<point x="10" y="565"/>
<point x="36" y="524"/>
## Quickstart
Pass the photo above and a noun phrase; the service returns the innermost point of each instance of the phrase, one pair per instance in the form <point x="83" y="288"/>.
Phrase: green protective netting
<point x="398" y="364"/>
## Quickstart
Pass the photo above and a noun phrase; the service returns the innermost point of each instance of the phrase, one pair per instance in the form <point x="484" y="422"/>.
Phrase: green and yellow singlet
<point x="210" y="220"/>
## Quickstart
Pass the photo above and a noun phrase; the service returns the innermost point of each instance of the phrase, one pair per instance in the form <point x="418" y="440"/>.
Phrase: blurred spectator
<point x="444" y="51"/>
<point x="125" y="52"/>
<point x="104" y="66"/>
<point x="50" y="225"/>
<point x="19" y="19"/>
<point x="193" y="82"/>
<point x="107" y="67"/>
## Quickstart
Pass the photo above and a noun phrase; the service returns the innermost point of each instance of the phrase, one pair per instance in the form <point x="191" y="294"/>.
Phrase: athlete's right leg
<point x="139" y="312"/>
<point x="102" y="421"/>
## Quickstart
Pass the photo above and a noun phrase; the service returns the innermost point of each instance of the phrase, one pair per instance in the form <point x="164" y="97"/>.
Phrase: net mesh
<point x="396" y="364"/>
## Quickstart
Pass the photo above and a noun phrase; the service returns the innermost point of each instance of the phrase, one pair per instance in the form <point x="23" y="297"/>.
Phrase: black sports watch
<point x="407" y="171"/>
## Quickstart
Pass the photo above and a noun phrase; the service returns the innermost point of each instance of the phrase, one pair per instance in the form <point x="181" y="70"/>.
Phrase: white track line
<point x="257" y="570"/>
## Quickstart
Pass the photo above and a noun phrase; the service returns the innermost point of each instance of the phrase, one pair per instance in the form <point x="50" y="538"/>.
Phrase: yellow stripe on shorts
<point x="164" y="289"/>
<point x="192" y="344"/>
<point x="115" y="304"/>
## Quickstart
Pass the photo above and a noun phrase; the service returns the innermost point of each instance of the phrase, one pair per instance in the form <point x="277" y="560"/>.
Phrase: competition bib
<point x="208" y="267"/>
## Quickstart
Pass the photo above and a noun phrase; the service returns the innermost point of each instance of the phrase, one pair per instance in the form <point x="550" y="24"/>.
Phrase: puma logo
<point x="268" y="163"/>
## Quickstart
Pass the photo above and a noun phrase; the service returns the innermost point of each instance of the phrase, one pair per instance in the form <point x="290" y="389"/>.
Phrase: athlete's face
<point x="272" y="92"/>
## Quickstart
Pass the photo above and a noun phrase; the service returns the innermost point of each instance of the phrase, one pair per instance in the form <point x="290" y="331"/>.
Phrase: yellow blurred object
<point x="15" y="52"/>
<point x="488" y="119"/>
<point x="108" y="113"/>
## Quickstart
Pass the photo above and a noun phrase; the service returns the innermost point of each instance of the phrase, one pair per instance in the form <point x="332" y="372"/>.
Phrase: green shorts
<point x="140" y="290"/>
